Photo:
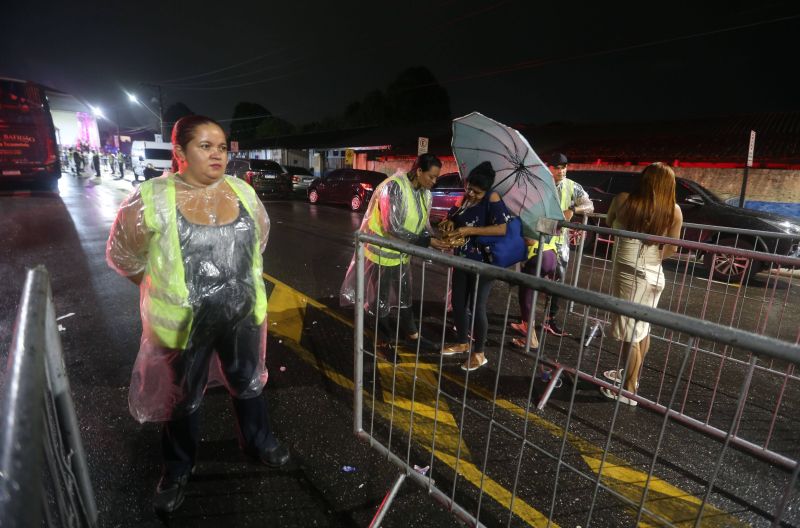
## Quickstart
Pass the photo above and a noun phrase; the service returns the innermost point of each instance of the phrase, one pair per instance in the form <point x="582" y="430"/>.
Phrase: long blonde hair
<point x="651" y="208"/>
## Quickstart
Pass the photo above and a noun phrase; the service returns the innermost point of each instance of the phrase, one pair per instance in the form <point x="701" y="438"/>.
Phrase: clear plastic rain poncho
<point x="394" y="288"/>
<point x="202" y="299"/>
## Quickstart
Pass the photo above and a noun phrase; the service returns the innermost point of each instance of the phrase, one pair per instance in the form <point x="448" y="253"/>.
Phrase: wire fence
<point x="529" y="440"/>
<point x="44" y="479"/>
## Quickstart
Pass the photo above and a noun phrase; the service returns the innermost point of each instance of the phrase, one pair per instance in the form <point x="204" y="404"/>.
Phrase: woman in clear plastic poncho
<point x="192" y="240"/>
<point x="399" y="208"/>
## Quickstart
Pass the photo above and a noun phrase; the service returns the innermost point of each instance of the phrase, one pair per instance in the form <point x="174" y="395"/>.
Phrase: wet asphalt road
<point x="309" y="250"/>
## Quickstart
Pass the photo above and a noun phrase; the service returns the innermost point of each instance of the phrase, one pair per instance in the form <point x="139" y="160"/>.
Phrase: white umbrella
<point x="524" y="182"/>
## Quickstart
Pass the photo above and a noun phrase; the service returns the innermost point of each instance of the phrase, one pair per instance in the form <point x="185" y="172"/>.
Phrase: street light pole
<point x="160" y="107"/>
<point x="134" y="99"/>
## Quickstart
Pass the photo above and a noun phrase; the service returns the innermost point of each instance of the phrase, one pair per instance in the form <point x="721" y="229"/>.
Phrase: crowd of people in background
<point x="84" y="162"/>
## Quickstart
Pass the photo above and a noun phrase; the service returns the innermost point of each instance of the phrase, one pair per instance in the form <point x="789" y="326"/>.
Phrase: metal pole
<point x="744" y="187"/>
<point x="358" y="365"/>
<point x="22" y="411"/>
<point x="387" y="501"/>
<point x="747" y="166"/>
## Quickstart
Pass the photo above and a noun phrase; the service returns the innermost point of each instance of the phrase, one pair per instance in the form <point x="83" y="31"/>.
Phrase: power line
<point x="401" y="38"/>
<point x="212" y="72"/>
<point x="534" y="63"/>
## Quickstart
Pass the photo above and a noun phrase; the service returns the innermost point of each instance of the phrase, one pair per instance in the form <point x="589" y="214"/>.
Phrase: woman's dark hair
<point x="183" y="133"/>
<point x="425" y="162"/>
<point x="482" y="176"/>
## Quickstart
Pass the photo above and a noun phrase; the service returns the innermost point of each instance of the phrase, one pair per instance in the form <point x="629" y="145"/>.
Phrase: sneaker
<point x="550" y="325"/>
<point x="614" y="396"/>
<point x="521" y="327"/>
<point x="617" y="376"/>
<point x="455" y="348"/>
<point x="471" y="365"/>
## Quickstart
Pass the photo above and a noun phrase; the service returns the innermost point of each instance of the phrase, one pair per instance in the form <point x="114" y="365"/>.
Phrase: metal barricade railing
<point x="492" y="458"/>
<point x="750" y="305"/>
<point x="44" y="478"/>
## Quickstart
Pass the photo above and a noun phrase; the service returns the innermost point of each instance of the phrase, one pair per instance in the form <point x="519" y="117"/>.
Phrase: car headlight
<point x="785" y="226"/>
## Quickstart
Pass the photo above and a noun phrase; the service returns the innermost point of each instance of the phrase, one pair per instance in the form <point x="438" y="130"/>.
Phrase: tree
<point x="246" y="119"/>
<point x="416" y="96"/>
<point x="274" y="127"/>
<point x="173" y="113"/>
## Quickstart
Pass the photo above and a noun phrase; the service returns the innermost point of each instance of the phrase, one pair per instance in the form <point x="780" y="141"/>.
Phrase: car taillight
<point x="366" y="186"/>
<point x="248" y="176"/>
<point x="295" y="179"/>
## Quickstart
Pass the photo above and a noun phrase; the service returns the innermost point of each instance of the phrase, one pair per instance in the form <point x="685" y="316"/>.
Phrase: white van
<point x="158" y="155"/>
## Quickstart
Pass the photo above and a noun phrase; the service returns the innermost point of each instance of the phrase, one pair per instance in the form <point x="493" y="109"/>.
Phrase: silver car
<point x="301" y="177"/>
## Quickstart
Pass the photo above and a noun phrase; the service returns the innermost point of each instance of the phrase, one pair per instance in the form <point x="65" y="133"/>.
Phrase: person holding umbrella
<point x="482" y="213"/>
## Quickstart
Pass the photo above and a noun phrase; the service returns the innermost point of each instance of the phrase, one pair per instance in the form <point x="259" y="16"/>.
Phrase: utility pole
<point x="747" y="166"/>
<point x="160" y="108"/>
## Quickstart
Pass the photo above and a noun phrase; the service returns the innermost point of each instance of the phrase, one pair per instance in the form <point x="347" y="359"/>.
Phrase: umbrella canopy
<point x="524" y="182"/>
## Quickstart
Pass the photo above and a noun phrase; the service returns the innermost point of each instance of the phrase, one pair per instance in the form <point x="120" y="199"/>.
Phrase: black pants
<point x="180" y="438"/>
<point x="561" y="275"/>
<point x="464" y="294"/>
<point x="391" y="286"/>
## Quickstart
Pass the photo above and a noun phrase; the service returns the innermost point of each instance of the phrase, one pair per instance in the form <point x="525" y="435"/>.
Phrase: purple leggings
<point x="549" y="265"/>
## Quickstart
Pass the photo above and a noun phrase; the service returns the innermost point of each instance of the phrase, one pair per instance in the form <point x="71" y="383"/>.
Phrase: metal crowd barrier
<point x="492" y="457"/>
<point x="766" y="305"/>
<point x="44" y="478"/>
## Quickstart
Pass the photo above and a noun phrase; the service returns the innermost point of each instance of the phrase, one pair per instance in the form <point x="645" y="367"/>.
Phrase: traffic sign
<point x="422" y="146"/>
<point x="751" y="148"/>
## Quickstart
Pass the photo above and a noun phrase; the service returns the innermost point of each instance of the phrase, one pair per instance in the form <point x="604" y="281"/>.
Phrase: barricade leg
<point x="387" y="501"/>
<point x="549" y="390"/>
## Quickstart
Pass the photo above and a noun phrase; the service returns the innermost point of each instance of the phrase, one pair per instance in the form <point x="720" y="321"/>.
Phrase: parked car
<point x="447" y="192"/>
<point x="301" y="177"/>
<point x="265" y="176"/>
<point x="701" y="206"/>
<point x="345" y="186"/>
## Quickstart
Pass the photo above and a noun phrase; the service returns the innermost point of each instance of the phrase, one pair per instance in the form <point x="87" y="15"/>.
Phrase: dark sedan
<point x="701" y="206"/>
<point x="446" y="193"/>
<point x="265" y="176"/>
<point x="353" y="187"/>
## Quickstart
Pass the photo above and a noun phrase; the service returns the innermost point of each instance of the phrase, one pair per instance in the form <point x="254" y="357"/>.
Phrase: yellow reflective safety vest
<point x="166" y="306"/>
<point x="417" y="210"/>
<point x="566" y="190"/>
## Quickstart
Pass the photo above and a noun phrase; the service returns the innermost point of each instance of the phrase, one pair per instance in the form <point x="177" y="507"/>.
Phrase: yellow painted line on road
<point x="286" y="318"/>
<point x="664" y="499"/>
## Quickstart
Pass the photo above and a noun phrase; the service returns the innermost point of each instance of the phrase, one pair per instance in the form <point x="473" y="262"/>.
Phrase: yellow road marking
<point x="282" y="307"/>
<point x="664" y="499"/>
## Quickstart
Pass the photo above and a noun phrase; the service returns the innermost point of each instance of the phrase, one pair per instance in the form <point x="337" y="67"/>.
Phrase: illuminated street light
<point x="97" y="111"/>
<point x="132" y="98"/>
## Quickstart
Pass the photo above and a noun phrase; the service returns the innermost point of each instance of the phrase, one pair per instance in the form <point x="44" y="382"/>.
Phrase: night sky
<point x="520" y="61"/>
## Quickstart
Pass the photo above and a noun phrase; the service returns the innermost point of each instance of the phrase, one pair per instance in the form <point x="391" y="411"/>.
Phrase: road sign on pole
<point x="234" y="146"/>
<point x="422" y="146"/>
<point x="747" y="166"/>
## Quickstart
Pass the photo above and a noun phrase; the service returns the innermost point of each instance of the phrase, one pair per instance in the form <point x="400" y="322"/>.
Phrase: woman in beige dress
<point x="637" y="275"/>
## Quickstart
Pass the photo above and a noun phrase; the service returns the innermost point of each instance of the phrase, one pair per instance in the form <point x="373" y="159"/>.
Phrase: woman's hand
<point x="439" y="244"/>
<point x="446" y="225"/>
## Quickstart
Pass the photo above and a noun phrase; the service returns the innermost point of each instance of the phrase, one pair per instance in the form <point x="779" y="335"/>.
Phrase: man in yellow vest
<point x="399" y="209"/>
<point x="574" y="200"/>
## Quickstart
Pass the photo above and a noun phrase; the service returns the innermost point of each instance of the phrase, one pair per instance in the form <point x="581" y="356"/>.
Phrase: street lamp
<point x="132" y="98"/>
<point x="97" y="111"/>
